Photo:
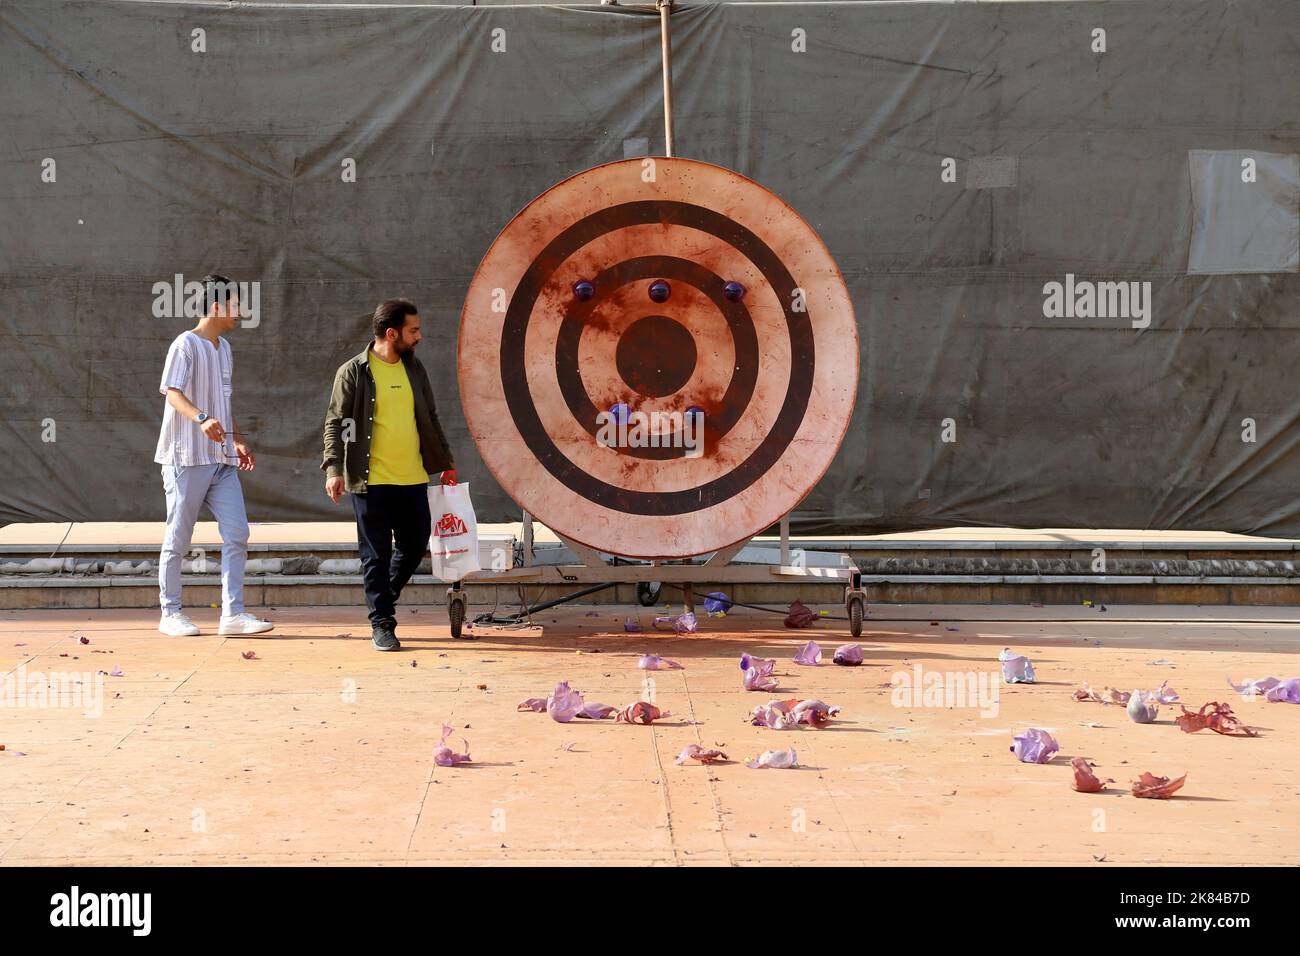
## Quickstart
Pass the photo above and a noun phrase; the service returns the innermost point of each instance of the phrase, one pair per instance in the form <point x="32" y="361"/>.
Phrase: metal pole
<point x="665" y="6"/>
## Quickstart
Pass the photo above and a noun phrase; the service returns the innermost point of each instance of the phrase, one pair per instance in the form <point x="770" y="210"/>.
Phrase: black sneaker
<point x="382" y="638"/>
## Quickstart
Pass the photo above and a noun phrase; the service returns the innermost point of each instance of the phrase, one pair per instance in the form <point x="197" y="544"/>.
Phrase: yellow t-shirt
<point x="394" y="440"/>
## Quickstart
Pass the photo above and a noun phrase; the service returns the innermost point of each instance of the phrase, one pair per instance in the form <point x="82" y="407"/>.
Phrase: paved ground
<point x="319" y="750"/>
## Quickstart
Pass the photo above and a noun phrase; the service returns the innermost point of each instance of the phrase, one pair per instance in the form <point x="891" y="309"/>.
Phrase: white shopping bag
<point x="453" y="542"/>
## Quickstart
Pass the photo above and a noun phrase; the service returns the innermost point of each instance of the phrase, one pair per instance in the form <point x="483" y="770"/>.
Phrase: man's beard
<point x="404" y="349"/>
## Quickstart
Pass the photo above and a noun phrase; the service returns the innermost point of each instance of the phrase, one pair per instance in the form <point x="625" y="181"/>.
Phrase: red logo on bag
<point x="449" y="525"/>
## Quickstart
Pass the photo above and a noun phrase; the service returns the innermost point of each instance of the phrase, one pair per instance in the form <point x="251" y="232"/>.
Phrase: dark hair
<point x="391" y="314"/>
<point x="216" y="288"/>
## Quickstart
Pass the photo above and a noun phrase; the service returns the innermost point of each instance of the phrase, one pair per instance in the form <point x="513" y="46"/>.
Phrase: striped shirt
<point x="202" y="372"/>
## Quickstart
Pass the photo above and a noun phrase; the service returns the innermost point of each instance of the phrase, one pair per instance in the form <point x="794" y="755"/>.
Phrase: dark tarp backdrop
<point x="1068" y="161"/>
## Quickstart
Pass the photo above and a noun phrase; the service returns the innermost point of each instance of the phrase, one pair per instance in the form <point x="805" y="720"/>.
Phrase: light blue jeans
<point x="188" y="489"/>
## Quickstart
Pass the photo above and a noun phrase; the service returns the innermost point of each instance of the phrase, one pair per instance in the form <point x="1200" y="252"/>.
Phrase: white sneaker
<point x="177" y="625"/>
<point x="243" y="624"/>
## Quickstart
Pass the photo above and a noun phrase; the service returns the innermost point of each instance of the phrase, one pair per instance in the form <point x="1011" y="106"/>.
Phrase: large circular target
<point x="658" y="358"/>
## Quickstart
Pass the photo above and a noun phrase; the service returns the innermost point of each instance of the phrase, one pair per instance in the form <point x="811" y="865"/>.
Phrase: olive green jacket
<point x="351" y="410"/>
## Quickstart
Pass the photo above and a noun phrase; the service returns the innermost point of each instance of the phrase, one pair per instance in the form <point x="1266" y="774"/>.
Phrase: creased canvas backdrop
<point x="1112" y="166"/>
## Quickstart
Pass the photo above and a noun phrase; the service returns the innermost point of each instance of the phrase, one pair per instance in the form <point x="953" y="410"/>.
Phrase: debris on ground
<point x="564" y="703"/>
<point x="480" y="686"/>
<point x="1085" y="781"/>
<point x="793" y="713"/>
<point x="1157" y="788"/>
<point x="702" y="754"/>
<point x="640" y="713"/>
<point x="681" y="623"/>
<point x="716" y="602"/>
<point x="444" y="756"/>
<point x="1166" y="694"/>
<point x="1034" y="746"/>
<point x="758" y="672"/>
<point x="117" y="672"/>
<point x="1218" y="717"/>
<point x="631" y="626"/>
<point x="1161" y="662"/>
<point x="809" y="655"/>
<point x="596" y="711"/>
<point x="535" y="704"/>
<point x="848" y="655"/>
<point x="653" y="662"/>
<point x="1087" y="693"/>
<point x="773" y="760"/>
<point x="84" y="640"/>
<point x="800" y="615"/>
<point x="1270" y="688"/>
<point x="1016" y="668"/>
<point x="1143" y="707"/>
<point x="248" y="655"/>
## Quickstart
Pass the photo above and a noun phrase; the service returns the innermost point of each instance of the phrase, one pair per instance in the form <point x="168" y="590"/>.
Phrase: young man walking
<point x="201" y="453"/>
<point x="382" y="444"/>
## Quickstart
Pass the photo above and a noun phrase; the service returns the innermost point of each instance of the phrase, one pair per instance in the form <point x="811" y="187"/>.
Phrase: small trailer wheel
<point x="855" y="616"/>
<point x="647" y="593"/>
<point x="456" y="614"/>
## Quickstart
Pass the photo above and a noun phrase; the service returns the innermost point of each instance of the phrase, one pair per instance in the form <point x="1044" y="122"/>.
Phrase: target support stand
<point x="744" y="562"/>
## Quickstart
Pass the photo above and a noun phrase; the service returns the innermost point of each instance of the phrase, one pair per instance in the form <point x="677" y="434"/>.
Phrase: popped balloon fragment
<point x="653" y="662"/>
<point x="564" y="703"/>
<point x="702" y="754"/>
<point x="1165" y="694"/>
<point x="596" y="711"/>
<point x="1085" y="781"/>
<point x="1143" y="707"/>
<point x="640" y="713"/>
<point x="1034" y="746"/>
<point x="1157" y="788"/>
<point x="444" y="756"/>
<point x="681" y="623"/>
<point x="800" y="616"/>
<point x="809" y="655"/>
<point x="848" y="655"/>
<point x="1218" y="717"/>
<point x="535" y="704"/>
<point x="631" y="626"/>
<point x="773" y="760"/>
<point x="1272" y="689"/>
<point x="1016" y="668"/>
<point x="758" y="672"/>
<point x="252" y="655"/>
<point x="716" y="602"/>
<point x="1087" y="693"/>
<point x="792" y="714"/>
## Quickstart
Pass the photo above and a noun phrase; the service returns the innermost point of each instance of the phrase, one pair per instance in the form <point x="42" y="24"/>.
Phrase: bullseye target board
<point x="658" y="358"/>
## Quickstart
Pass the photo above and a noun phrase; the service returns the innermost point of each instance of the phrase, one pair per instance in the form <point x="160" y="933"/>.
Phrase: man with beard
<point x="382" y="444"/>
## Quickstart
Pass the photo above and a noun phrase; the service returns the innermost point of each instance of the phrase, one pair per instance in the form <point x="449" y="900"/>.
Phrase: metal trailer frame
<point x="740" y="563"/>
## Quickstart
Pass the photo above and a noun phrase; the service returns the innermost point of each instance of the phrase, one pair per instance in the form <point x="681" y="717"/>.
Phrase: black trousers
<point x="393" y="537"/>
